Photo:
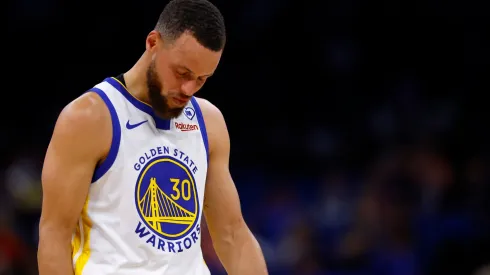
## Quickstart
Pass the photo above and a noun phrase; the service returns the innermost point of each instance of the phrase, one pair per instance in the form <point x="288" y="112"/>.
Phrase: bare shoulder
<point x="81" y="137"/>
<point x="215" y="124"/>
<point x="86" y="121"/>
<point x="88" y="108"/>
<point x="209" y="110"/>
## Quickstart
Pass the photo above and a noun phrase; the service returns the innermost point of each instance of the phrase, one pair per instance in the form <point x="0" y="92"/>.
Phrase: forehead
<point x="187" y="52"/>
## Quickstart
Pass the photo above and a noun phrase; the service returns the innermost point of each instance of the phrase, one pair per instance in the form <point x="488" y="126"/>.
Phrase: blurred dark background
<point x="359" y="129"/>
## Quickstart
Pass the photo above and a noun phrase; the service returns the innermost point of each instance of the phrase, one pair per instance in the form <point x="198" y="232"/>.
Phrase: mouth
<point x="180" y="101"/>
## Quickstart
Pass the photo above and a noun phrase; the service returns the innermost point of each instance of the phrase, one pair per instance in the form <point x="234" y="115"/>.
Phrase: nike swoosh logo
<point x="132" y="126"/>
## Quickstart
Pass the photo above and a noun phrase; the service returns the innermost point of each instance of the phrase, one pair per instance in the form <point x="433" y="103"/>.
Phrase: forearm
<point x="240" y="253"/>
<point x="54" y="255"/>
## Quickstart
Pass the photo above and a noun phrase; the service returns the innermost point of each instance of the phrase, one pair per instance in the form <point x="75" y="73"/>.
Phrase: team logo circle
<point x="166" y="198"/>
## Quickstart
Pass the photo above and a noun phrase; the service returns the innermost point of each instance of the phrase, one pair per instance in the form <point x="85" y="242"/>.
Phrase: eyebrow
<point x="189" y="70"/>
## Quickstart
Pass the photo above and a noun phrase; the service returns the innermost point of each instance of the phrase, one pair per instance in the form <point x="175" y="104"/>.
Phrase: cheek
<point x="170" y="81"/>
<point x="165" y="73"/>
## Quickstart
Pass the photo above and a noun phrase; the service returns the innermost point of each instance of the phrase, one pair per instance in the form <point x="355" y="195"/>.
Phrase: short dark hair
<point x="198" y="17"/>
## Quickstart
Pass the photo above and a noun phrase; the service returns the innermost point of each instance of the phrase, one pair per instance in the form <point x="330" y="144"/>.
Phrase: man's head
<point x="185" y="47"/>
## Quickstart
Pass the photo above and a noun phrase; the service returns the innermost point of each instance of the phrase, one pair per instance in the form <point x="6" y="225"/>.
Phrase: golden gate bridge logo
<point x="166" y="198"/>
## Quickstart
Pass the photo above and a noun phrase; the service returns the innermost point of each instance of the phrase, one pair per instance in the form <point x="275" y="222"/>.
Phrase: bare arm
<point x="80" y="139"/>
<point x="235" y="245"/>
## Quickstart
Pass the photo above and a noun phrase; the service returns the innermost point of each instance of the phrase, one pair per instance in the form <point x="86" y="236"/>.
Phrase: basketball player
<point x="134" y="162"/>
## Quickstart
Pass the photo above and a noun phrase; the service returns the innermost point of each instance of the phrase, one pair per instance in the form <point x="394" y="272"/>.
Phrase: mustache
<point x="181" y="96"/>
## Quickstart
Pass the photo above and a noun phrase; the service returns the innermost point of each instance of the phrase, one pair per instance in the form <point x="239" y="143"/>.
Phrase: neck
<point x="135" y="78"/>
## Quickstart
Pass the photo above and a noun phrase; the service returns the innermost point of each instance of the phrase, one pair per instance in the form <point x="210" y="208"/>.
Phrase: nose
<point x="189" y="88"/>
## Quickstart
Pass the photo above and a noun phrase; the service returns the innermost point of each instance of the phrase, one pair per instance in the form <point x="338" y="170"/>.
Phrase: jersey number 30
<point x="184" y="191"/>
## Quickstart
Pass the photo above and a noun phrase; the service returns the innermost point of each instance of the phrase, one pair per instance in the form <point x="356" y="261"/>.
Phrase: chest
<point x="169" y="159"/>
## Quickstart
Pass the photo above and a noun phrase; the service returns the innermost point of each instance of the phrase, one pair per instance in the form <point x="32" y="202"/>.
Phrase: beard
<point x="159" y="102"/>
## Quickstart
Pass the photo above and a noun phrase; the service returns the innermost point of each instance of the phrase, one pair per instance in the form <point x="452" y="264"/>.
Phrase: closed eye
<point x="183" y="75"/>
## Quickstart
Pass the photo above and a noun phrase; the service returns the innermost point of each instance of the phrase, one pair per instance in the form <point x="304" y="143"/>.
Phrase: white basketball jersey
<point x="143" y="211"/>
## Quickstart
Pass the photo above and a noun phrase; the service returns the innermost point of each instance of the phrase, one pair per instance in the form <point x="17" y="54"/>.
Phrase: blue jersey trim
<point x="202" y="125"/>
<point x="160" y="123"/>
<point x="116" y="137"/>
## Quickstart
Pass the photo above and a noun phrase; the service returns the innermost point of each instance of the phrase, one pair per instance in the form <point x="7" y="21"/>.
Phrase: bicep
<point x="68" y="167"/>
<point x="221" y="200"/>
<point x="65" y="181"/>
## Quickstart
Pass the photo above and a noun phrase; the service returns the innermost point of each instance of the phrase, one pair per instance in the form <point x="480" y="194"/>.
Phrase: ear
<point x="152" y="40"/>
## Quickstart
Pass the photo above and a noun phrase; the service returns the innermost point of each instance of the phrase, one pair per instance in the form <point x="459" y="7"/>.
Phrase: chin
<point x="169" y="113"/>
<point x="176" y="112"/>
